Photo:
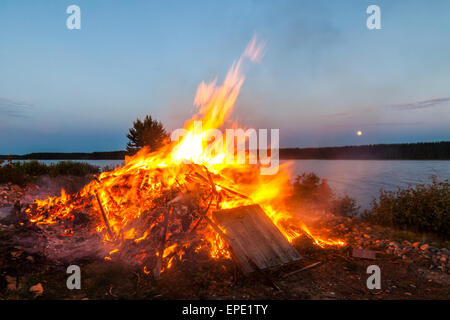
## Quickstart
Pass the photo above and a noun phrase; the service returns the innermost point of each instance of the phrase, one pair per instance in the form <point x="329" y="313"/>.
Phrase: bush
<point x="346" y="207"/>
<point x="23" y="172"/>
<point x="423" y="208"/>
<point x="311" y="191"/>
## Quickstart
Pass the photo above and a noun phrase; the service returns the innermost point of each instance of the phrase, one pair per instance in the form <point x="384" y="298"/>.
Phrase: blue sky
<point x="323" y="77"/>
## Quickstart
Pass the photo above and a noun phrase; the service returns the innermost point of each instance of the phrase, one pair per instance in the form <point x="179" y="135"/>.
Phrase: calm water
<point x="360" y="179"/>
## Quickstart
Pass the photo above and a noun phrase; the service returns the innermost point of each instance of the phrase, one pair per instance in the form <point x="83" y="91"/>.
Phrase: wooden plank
<point x="254" y="239"/>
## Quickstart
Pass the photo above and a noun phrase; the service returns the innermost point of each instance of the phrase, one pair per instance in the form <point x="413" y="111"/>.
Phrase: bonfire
<point x="159" y="206"/>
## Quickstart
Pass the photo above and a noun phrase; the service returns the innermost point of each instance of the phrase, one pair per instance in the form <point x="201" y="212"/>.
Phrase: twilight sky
<point x="324" y="75"/>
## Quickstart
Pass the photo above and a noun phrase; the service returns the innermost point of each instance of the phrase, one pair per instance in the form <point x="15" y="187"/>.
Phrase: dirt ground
<point x="412" y="267"/>
<point x="338" y="276"/>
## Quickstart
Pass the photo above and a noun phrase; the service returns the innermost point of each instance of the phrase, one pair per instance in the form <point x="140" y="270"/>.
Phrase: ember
<point x="159" y="205"/>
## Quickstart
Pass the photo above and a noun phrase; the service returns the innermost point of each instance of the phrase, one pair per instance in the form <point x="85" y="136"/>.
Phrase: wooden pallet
<point x="256" y="243"/>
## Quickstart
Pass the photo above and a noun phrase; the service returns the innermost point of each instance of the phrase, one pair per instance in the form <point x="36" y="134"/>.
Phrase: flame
<point x="124" y="203"/>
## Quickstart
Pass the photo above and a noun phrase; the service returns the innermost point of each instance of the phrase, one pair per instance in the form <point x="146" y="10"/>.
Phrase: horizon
<point x="323" y="78"/>
<point x="281" y="148"/>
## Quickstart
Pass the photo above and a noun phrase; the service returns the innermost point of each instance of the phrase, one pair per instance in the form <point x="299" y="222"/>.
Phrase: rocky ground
<point x="412" y="267"/>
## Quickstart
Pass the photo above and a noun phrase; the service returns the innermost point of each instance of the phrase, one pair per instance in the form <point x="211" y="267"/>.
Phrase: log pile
<point x="176" y="221"/>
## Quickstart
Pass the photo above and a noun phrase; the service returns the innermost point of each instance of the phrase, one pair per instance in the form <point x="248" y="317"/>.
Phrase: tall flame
<point x="118" y="199"/>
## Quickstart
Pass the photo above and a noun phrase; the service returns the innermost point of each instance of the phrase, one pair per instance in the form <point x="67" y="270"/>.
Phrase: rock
<point x="16" y="254"/>
<point x="424" y="247"/>
<point x="394" y="244"/>
<point x="406" y="249"/>
<point x="37" y="289"/>
<point x="5" y="212"/>
<point x="11" y="283"/>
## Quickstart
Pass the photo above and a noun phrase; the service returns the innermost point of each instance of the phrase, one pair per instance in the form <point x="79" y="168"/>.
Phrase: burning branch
<point x="105" y="219"/>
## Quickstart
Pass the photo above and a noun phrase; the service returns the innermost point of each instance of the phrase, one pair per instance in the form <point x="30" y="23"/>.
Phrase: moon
<point x="359" y="133"/>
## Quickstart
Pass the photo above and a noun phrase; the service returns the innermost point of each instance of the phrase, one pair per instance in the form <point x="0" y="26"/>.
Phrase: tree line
<point x="404" y="151"/>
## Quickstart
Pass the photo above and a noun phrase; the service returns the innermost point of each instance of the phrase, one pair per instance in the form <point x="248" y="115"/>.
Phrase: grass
<point x="21" y="173"/>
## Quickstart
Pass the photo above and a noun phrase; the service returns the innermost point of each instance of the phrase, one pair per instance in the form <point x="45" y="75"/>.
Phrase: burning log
<point x="253" y="237"/>
<point x="108" y="228"/>
<point x="157" y="269"/>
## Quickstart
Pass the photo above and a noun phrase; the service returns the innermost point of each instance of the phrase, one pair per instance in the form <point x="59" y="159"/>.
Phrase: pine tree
<point x="149" y="133"/>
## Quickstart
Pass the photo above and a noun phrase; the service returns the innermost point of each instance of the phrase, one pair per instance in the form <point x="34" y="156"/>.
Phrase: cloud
<point x="13" y="108"/>
<point x="419" y="104"/>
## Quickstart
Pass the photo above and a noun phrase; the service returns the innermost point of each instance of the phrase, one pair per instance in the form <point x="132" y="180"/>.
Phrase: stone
<point x="363" y="253"/>
<point x="394" y="244"/>
<point x="11" y="283"/>
<point x="37" y="289"/>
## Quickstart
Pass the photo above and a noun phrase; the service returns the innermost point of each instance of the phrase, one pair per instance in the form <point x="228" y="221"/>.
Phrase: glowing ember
<point x="156" y="207"/>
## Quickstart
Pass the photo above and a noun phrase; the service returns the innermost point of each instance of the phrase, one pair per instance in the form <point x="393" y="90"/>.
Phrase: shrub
<point x="312" y="191"/>
<point x="346" y="207"/>
<point x="423" y="208"/>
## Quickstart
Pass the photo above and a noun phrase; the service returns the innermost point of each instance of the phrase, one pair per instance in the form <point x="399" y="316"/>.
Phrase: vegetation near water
<point x="423" y="208"/>
<point x="21" y="173"/>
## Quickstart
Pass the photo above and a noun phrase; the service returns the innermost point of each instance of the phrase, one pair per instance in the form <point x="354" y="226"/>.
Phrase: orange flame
<point x="120" y="198"/>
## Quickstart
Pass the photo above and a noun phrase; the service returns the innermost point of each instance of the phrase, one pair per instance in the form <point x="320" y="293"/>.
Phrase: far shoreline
<point x="405" y="151"/>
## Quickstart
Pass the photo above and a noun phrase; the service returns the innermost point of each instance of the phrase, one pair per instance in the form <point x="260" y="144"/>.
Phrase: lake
<point x="360" y="179"/>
